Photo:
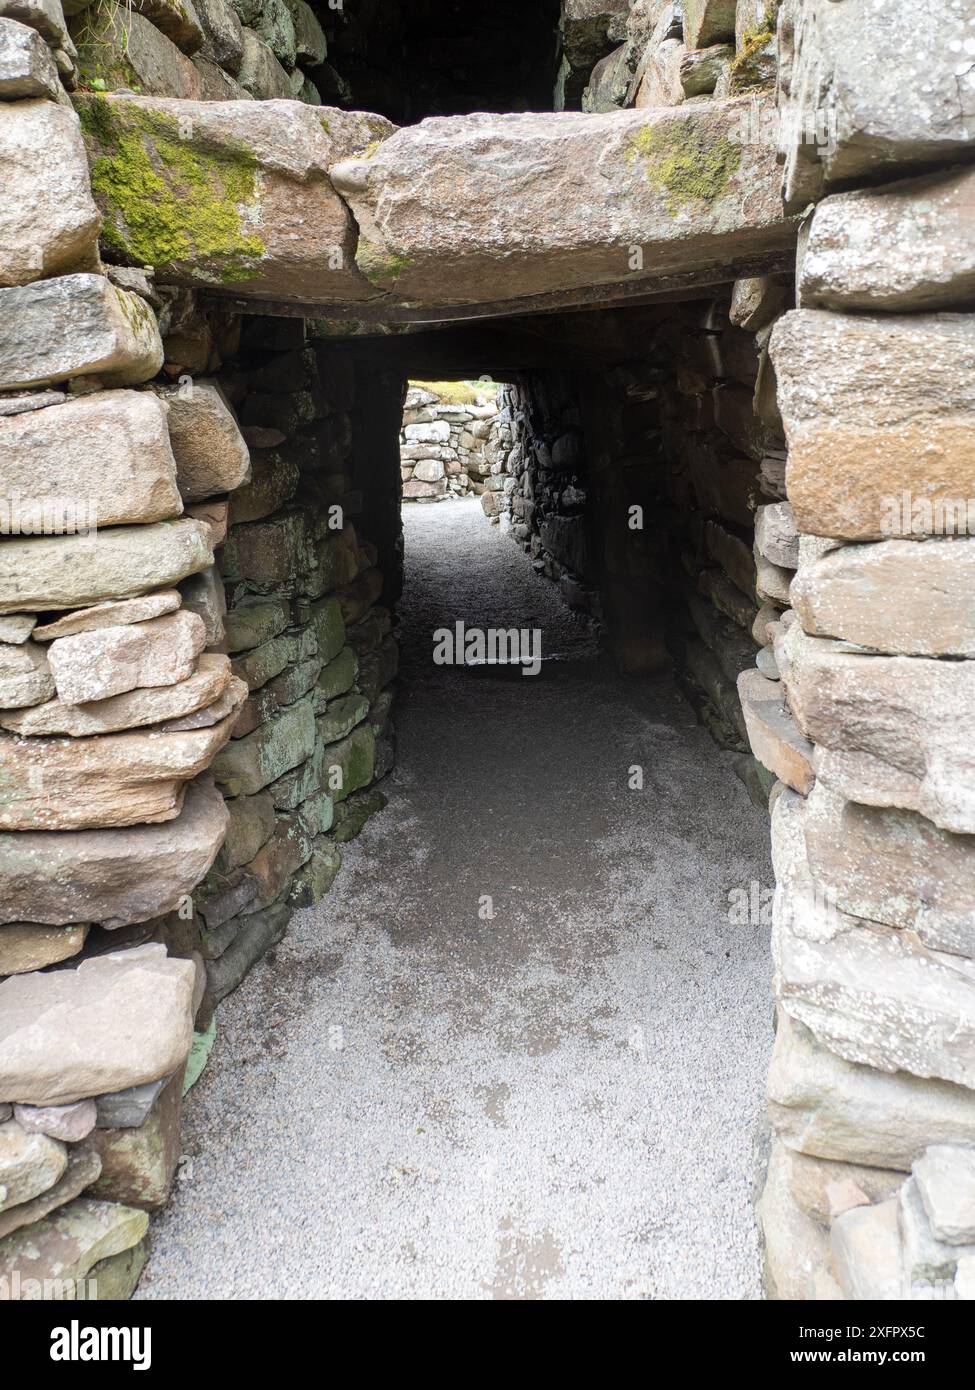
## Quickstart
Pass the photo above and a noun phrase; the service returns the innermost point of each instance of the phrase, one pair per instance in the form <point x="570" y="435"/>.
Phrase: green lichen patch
<point x="169" y="199"/>
<point x="684" y="163"/>
<point x="379" y="265"/>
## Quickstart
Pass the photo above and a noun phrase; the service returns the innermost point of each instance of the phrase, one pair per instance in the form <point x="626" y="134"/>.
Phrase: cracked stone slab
<point x="245" y="202"/>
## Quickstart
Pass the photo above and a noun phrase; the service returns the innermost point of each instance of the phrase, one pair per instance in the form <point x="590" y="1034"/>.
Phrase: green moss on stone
<point x="378" y="265"/>
<point x="746" y="68"/>
<point x="169" y="201"/>
<point x="681" y="163"/>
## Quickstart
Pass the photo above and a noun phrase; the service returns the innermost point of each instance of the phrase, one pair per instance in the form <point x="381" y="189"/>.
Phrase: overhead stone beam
<point x="482" y="208"/>
<point x="228" y="193"/>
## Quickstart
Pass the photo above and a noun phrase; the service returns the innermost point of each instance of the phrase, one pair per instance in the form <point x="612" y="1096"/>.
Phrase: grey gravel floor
<point x="408" y="1101"/>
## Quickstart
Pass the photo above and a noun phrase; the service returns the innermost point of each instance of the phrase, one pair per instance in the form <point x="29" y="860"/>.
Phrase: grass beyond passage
<point x="460" y="392"/>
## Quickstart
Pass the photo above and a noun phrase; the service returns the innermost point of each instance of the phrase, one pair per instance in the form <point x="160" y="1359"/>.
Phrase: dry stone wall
<point x="195" y="674"/>
<point x="444" y="449"/>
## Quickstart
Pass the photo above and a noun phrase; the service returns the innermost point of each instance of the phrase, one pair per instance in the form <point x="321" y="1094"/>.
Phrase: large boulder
<point x="212" y="690"/>
<point x="468" y="209"/>
<point x="48" y="220"/>
<point x="111" y="448"/>
<point x="229" y="193"/>
<point x="76" y="325"/>
<point x="49" y="572"/>
<point x="111" y="1022"/>
<point x="113" y="877"/>
<point x="875" y="407"/>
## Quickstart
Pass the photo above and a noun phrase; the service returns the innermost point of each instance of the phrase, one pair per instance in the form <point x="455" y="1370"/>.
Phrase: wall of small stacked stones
<point x="444" y="447"/>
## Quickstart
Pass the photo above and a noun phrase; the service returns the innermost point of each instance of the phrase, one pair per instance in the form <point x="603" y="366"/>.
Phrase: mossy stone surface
<point x="169" y="199"/>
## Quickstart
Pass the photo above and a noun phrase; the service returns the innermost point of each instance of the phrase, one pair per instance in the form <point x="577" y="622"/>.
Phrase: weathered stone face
<point x="67" y="1244"/>
<point x="95" y="665"/>
<point x="209" y="449"/>
<point x="25" y="677"/>
<point x="869" y="993"/>
<point x="116" y="780"/>
<point x="245" y="202"/>
<point x="898" y="596"/>
<point x="76" y="325"/>
<point x="823" y="1105"/>
<point x="863" y="425"/>
<point x="110" y="614"/>
<point x="895" y="867"/>
<point x="889" y="730"/>
<point x="864" y="98"/>
<point x="113" y="877"/>
<point x="26" y="66"/>
<point x="114" y="1021"/>
<point x="109" y="451"/>
<point x="775" y="741"/>
<point x="846" y="263"/>
<point x="29" y="1164"/>
<point x="207" y="688"/>
<point x="48" y="220"/>
<point x="50" y="572"/>
<point x="25" y="946"/>
<point x="444" y="208"/>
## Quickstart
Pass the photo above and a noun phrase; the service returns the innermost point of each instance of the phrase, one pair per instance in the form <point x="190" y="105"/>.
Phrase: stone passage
<point x="719" y="258"/>
<point x="557" y="1102"/>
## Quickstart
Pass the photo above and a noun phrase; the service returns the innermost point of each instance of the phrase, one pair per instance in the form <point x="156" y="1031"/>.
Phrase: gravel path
<point x="409" y="1101"/>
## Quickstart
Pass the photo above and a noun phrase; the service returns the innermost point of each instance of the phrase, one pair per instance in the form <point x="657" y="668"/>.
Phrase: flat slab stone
<point x="468" y="209"/>
<point x="25" y="946"/>
<point x="91" y="666"/>
<point x="864" y="426"/>
<point x="831" y="1108"/>
<point x="114" y="1021"/>
<point x="76" y="325"/>
<point x="846" y="263"/>
<point x="139" y="1162"/>
<point x="111" y="614"/>
<point x="129" y="1108"/>
<point x="113" y="877"/>
<point x="97" y="783"/>
<point x="66" y="1244"/>
<point x="50" y="572"/>
<point x="111" y="448"/>
<point x="48" y="219"/>
<point x="896" y="596"/>
<point x="775" y="741"/>
<point x="69" y="1123"/>
<point x="889" y="730"/>
<point x="211" y="687"/>
<point x="895" y="867"/>
<point x="246" y="202"/>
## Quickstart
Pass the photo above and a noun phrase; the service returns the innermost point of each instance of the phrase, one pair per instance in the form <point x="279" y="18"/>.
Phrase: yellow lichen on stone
<point x="681" y="164"/>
